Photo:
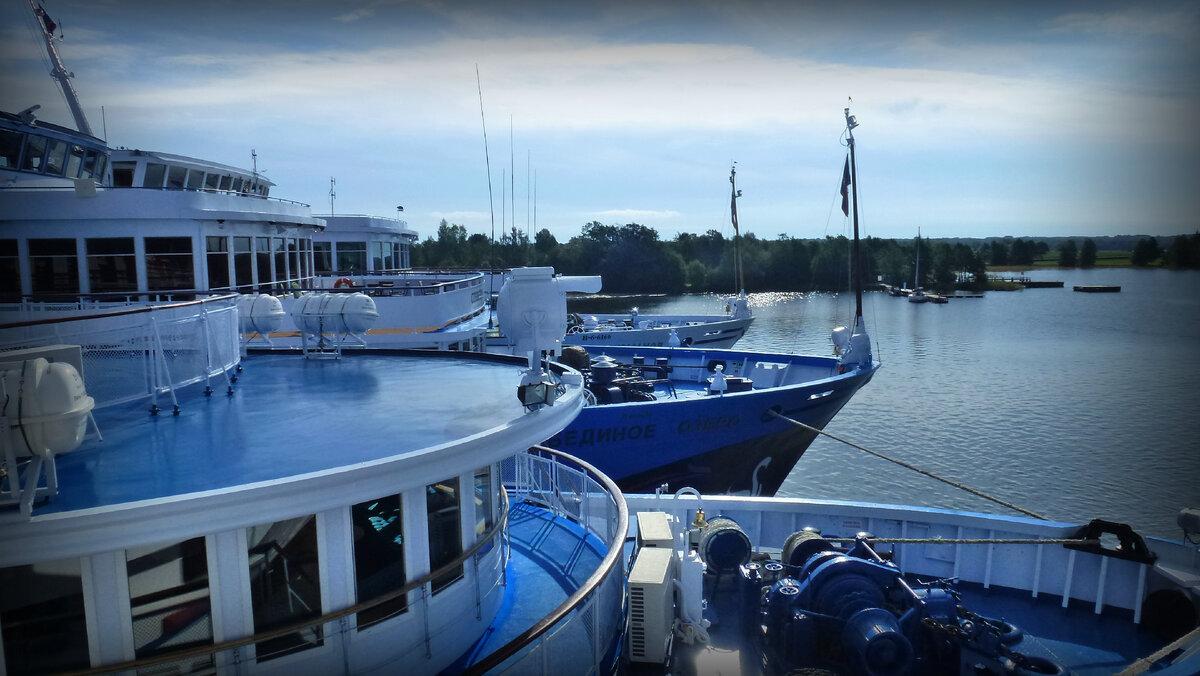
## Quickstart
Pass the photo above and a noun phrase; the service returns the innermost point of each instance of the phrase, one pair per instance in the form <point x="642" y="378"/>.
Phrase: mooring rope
<point x="1143" y="665"/>
<point x="973" y="541"/>
<point x="912" y="467"/>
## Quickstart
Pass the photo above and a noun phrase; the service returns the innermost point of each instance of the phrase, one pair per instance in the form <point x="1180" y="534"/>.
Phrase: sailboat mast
<point x="737" y="256"/>
<point x="47" y="26"/>
<point x="856" y="273"/>
<point x="917" y="274"/>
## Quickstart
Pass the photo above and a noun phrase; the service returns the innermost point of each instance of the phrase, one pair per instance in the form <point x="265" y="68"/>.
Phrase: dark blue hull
<point x="716" y="444"/>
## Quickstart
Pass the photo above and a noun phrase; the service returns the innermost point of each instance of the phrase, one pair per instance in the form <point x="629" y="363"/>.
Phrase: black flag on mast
<point x="845" y="186"/>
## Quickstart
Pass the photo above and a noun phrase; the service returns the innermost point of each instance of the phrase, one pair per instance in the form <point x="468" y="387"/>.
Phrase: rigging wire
<point x="906" y="465"/>
<point x="491" y="203"/>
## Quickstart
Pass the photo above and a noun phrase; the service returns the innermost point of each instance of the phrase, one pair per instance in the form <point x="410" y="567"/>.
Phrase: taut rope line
<point x="912" y="467"/>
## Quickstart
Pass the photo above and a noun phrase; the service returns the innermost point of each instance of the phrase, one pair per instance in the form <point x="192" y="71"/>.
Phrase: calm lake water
<point x="1073" y="405"/>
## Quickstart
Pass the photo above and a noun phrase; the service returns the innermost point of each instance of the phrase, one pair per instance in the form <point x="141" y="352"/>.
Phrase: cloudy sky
<point x="977" y="119"/>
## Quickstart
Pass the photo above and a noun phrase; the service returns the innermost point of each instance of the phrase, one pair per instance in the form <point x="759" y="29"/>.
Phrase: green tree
<point x="1068" y="254"/>
<point x="1145" y="252"/>
<point x="1087" y="254"/>
<point x="545" y="248"/>
<point x="998" y="254"/>
<point x="695" y="275"/>
<point x="1183" y="252"/>
<point x="942" y="267"/>
<point x="1022" y="252"/>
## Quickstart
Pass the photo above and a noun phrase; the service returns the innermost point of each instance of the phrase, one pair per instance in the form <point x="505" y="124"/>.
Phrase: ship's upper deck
<point x="324" y="431"/>
<point x="289" y="416"/>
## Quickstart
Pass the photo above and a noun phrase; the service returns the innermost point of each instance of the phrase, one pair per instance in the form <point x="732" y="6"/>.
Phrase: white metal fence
<point x="144" y="352"/>
<point x="583" y="638"/>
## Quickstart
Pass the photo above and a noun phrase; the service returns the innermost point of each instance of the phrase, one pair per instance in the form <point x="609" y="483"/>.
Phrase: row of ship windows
<point x="181" y="178"/>
<point x="52" y="157"/>
<point x="43" y="627"/>
<point x="260" y="263"/>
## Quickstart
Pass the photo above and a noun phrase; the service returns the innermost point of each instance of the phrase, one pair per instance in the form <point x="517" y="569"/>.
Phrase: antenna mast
<point x="47" y="26"/>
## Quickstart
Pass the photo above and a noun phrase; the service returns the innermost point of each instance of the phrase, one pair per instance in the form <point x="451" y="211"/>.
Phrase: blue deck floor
<point x="551" y="557"/>
<point x="288" y="416"/>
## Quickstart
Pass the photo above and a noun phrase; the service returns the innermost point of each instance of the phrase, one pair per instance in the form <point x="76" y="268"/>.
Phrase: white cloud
<point x="356" y="15"/>
<point x="1138" y="22"/>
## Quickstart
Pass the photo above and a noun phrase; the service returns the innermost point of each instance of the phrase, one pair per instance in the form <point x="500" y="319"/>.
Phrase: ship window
<point x="175" y="177"/>
<point x="74" y="161"/>
<point x="154" y="176"/>
<point x="381" y="256"/>
<point x="243" y="263"/>
<point x="293" y="250"/>
<point x="42" y="619"/>
<point x="195" y="179"/>
<point x="323" y="257"/>
<point x="56" y="157"/>
<point x="280" y="249"/>
<point x="285" y="587"/>
<point x="217" y="249"/>
<point x="35" y="153"/>
<point x="123" y="174"/>
<point x="112" y="264"/>
<point x="262" y="255"/>
<point x="237" y="184"/>
<point x="485" y="505"/>
<point x="54" y="266"/>
<point x="10" y="148"/>
<point x="91" y="162"/>
<point x="169" y="601"/>
<point x="445" y="532"/>
<point x="10" y="270"/>
<point x="169" y="263"/>
<point x="211" y="181"/>
<point x="226" y="182"/>
<point x="379" y="557"/>
<point x="352" y="257"/>
<point x="101" y="162"/>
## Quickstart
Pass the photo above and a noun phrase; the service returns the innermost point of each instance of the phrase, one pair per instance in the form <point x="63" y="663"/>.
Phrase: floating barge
<point x="1097" y="289"/>
<point x="1030" y="283"/>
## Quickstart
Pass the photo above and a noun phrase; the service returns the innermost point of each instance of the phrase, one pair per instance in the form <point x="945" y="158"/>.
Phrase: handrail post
<point x="595" y="602"/>
<point x="425" y="618"/>
<point x="475" y="580"/>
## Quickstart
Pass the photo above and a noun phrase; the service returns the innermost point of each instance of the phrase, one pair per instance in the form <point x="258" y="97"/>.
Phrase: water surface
<point x="1072" y="405"/>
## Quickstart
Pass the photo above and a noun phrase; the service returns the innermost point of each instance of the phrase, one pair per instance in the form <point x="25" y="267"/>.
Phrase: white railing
<point x="143" y="352"/>
<point x="581" y="635"/>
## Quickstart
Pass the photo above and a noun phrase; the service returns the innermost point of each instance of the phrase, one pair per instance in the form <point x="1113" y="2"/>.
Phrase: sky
<point x="977" y="119"/>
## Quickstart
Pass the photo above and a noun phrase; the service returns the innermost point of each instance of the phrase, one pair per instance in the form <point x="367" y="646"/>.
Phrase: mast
<point x="856" y="273"/>
<point x="47" y="26"/>
<point x="917" y="275"/>
<point x="737" y="256"/>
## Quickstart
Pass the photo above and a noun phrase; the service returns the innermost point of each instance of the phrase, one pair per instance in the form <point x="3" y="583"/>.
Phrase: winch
<point x="851" y="611"/>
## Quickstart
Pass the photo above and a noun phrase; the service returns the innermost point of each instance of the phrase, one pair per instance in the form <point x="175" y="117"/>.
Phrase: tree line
<point x="632" y="258"/>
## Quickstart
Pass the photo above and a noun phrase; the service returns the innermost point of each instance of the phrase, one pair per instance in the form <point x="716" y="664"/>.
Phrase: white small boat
<point x="636" y="329"/>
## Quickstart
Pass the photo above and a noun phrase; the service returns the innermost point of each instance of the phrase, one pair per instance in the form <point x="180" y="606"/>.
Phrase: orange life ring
<point x="343" y="281"/>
